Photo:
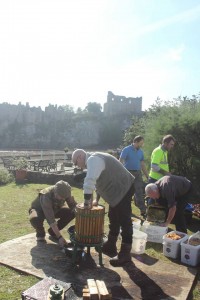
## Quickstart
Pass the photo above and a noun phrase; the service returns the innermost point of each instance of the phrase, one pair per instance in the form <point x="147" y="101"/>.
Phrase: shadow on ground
<point x="145" y="278"/>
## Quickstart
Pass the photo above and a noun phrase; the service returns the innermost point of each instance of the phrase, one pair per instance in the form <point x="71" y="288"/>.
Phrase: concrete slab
<point x="144" y="278"/>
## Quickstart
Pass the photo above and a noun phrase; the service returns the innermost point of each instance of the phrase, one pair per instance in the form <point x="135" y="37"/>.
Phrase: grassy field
<point x="14" y="203"/>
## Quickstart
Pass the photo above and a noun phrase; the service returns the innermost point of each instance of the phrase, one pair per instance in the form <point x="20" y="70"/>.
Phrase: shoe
<point x="40" y="239"/>
<point x="143" y="215"/>
<point x="123" y="257"/>
<point x="109" y="247"/>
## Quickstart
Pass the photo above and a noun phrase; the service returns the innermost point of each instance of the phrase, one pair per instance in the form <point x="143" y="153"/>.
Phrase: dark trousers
<point x="36" y="218"/>
<point x="120" y="218"/>
<point x="179" y="218"/>
<point x="139" y="190"/>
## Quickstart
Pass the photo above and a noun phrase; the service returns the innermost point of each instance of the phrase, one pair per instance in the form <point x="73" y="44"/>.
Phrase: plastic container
<point x="139" y="241"/>
<point x="172" y="248"/>
<point x="190" y="254"/>
<point x="155" y="233"/>
<point x="136" y="223"/>
<point x="156" y="213"/>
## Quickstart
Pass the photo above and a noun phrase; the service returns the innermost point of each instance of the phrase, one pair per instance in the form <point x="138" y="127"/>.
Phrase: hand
<point x="88" y="204"/>
<point x="164" y="225"/>
<point x="95" y="202"/>
<point x="168" y="173"/>
<point x="62" y="242"/>
<point x="71" y="202"/>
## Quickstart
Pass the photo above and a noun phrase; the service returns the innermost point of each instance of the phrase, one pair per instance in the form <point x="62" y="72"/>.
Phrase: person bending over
<point x="111" y="181"/>
<point x="172" y="192"/>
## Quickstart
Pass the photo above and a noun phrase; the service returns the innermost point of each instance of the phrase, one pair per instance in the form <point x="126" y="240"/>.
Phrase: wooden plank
<point x="94" y="295"/>
<point x="102" y="289"/>
<point x="86" y="296"/>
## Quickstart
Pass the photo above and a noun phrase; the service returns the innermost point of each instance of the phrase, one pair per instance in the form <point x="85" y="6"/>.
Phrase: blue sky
<point x="75" y="51"/>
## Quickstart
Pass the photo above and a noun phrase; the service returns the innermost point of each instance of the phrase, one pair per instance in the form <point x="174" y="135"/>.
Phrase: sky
<point x="72" y="52"/>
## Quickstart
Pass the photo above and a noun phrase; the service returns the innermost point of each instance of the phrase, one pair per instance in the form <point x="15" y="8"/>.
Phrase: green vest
<point x="160" y="158"/>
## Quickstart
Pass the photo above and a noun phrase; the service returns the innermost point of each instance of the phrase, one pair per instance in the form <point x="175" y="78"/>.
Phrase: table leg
<point x="74" y="254"/>
<point x="88" y="250"/>
<point x="100" y="256"/>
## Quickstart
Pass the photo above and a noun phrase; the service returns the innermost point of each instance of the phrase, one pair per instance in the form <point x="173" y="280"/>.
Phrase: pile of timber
<point x="96" y="290"/>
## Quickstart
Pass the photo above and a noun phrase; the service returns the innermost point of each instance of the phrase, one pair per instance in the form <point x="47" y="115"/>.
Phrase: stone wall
<point x="48" y="178"/>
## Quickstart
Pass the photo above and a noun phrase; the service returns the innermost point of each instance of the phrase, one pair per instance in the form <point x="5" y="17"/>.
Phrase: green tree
<point x="180" y="118"/>
<point x="93" y="107"/>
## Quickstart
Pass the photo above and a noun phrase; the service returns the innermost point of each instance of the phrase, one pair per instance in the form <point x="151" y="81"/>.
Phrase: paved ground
<point x="144" y="278"/>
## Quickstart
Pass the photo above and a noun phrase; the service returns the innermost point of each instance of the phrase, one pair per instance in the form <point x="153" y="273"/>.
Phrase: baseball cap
<point x="63" y="189"/>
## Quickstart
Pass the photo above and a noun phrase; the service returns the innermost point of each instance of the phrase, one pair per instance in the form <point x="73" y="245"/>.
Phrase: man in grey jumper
<point x="111" y="181"/>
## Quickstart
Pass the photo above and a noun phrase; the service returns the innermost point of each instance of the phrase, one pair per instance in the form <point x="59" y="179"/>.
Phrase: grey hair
<point x="76" y="153"/>
<point x="150" y="187"/>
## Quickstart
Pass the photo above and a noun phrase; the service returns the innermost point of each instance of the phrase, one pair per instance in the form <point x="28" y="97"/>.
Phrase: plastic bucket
<point x="136" y="223"/>
<point x="139" y="241"/>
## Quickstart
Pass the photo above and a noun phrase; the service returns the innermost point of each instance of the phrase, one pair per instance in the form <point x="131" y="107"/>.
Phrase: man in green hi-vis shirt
<point x="159" y="159"/>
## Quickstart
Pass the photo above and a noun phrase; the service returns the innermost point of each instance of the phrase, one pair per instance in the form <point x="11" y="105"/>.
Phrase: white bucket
<point x="136" y="223"/>
<point x="139" y="241"/>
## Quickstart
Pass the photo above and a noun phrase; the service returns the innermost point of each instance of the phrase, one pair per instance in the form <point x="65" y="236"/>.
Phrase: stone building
<point x="121" y="105"/>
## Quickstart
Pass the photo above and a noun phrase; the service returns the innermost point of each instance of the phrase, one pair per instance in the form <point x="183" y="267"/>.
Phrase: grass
<point x="14" y="204"/>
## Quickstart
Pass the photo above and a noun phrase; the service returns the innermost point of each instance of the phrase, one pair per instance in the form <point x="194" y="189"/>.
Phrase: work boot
<point x="123" y="256"/>
<point x="109" y="247"/>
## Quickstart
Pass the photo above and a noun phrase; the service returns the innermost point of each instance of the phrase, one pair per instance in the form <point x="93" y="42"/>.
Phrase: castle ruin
<point x="121" y="105"/>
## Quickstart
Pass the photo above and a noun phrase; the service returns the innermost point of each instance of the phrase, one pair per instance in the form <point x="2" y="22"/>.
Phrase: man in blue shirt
<point x="132" y="157"/>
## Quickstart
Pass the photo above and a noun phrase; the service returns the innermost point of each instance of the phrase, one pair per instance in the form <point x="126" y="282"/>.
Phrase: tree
<point x="93" y="107"/>
<point x="180" y="118"/>
<point x="67" y="108"/>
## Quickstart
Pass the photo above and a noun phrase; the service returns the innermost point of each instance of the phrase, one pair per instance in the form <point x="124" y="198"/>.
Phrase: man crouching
<point x="54" y="202"/>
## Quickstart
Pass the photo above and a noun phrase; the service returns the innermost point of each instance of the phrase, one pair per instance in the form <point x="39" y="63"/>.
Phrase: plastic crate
<point x="156" y="213"/>
<point x="172" y="248"/>
<point x="190" y="255"/>
<point x="154" y="233"/>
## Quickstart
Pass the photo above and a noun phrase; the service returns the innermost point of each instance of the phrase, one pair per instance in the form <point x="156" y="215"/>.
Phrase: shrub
<point x="5" y="176"/>
<point x="20" y="163"/>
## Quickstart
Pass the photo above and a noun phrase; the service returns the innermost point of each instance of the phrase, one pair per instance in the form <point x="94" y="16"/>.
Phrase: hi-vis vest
<point x="160" y="158"/>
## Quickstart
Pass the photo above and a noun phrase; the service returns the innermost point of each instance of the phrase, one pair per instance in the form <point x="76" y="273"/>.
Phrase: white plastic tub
<point x="139" y="241"/>
<point x="154" y="233"/>
<point x="136" y="223"/>
<point x="172" y="248"/>
<point x="190" y="255"/>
